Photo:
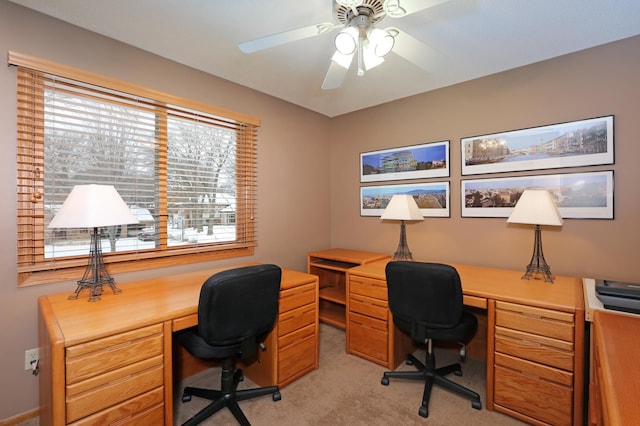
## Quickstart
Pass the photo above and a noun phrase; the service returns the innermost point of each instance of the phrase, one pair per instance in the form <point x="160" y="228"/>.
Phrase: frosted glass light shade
<point x="381" y="41"/>
<point x="90" y="206"/>
<point x="536" y="207"/>
<point x="343" y="60"/>
<point x="349" y="3"/>
<point x="346" y="41"/>
<point x="402" y="207"/>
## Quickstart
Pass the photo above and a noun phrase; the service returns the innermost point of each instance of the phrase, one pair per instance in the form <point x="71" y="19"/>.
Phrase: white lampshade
<point x="536" y="207"/>
<point x="90" y="206"/>
<point x="402" y="207"/>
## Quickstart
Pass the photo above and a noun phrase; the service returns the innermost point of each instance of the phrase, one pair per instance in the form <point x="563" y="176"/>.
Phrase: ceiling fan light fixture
<point x="381" y="41"/>
<point x="349" y="3"/>
<point x="346" y="41"/>
<point x="370" y="58"/>
<point x="343" y="60"/>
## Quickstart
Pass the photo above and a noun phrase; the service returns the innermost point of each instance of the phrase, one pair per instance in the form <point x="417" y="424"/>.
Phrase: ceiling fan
<point x="359" y="37"/>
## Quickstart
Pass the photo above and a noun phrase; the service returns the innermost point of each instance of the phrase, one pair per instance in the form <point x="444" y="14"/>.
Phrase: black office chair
<point x="236" y="311"/>
<point x="426" y="302"/>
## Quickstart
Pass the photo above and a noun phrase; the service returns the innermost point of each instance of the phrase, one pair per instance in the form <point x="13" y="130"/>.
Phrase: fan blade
<point x="399" y="8"/>
<point x="277" y="39"/>
<point x="413" y="50"/>
<point x="338" y="68"/>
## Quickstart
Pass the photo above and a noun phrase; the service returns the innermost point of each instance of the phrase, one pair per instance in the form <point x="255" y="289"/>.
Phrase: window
<point x="186" y="170"/>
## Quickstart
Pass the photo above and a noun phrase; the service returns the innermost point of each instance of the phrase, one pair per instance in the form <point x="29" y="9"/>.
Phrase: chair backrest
<point x="424" y="294"/>
<point x="239" y="305"/>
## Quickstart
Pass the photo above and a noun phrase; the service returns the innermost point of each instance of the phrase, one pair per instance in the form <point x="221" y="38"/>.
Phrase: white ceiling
<point x="472" y="38"/>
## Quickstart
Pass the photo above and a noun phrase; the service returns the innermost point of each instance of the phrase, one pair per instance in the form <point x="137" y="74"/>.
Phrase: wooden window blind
<point x="185" y="169"/>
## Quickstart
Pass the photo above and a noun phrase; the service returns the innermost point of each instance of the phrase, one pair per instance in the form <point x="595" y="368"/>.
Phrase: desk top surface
<point x="141" y="303"/>
<point x="565" y="293"/>
<point x="618" y="345"/>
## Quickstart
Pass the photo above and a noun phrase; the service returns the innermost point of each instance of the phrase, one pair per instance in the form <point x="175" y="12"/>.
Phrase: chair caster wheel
<point x="385" y="381"/>
<point x="477" y="405"/>
<point x="276" y="396"/>
<point x="423" y="411"/>
<point x="186" y="398"/>
<point x="458" y="373"/>
<point x="408" y="362"/>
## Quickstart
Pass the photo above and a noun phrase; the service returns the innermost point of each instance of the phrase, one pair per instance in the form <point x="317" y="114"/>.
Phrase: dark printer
<point x="619" y="296"/>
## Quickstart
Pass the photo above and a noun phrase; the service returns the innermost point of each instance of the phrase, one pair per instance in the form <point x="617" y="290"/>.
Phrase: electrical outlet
<point x="30" y="355"/>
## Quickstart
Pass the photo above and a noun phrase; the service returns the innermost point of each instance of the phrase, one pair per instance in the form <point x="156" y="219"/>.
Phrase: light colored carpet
<point x="346" y="390"/>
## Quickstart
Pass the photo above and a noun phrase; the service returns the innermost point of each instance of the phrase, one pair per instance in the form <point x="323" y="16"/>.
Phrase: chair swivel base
<point x="430" y="375"/>
<point x="228" y="397"/>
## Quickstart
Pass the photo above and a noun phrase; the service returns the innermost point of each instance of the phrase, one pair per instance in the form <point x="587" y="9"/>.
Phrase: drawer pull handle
<point x="121" y="345"/>
<point x="121" y="379"/>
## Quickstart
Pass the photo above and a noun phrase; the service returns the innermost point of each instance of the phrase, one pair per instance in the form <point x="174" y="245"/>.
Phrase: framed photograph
<point x="411" y="162"/>
<point x="432" y="198"/>
<point x="573" y="144"/>
<point x="578" y="195"/>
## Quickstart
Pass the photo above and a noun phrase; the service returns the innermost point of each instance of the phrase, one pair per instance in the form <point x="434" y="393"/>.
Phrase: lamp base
<point x="538" y="272"/>
<point x="538" y="267"/>
<point x="96" y="275"/>
<point x="402" y="252"/>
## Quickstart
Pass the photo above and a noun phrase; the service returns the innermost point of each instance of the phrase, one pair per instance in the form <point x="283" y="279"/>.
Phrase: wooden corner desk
<point x="111" y="361"/>
<point x="613" y="349"/>
<point x="532" y="332"/>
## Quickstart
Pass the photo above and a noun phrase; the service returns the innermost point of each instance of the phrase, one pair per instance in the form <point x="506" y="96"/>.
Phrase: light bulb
<point x="346" y="41"/>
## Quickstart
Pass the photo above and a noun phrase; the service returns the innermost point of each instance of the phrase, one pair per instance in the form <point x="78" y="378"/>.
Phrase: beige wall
<point x="592" y="83"/>
<point x="308" y="166"/>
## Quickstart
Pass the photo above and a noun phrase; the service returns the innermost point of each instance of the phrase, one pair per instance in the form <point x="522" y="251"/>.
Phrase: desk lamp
<point x="93" y="206"/>
<point x="536" y="207"/>
<point x="402" y="207"/>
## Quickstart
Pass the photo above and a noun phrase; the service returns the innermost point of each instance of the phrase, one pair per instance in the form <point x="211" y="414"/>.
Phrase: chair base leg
<point x="228" y="397"/>
<point x="429" y="375"/>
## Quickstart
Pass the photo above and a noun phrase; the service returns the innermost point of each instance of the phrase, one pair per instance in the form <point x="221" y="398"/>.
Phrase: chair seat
<point x="197" y="346"/>
<point x="460" y="332"/>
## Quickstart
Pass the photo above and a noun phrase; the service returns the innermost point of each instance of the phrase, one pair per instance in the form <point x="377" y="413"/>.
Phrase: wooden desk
<point x="615" y="381"/>
<point x="614" y="347"/>
<point x="534" y="337"/>
<point x="111" y="361"/>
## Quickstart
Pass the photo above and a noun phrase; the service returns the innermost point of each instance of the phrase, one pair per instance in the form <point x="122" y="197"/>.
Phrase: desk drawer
<point x="96" y="399"/>
<point x="368" y="306"/>
<point x="297" y="358"/>
<point x="296" y="297"/>
<point x="368" y="338"/>
<point x="296" y="319"/>
<point x="147" y="409"/>
<point x="555" y="324"/>
<point x="542" y="400"/>
<point x="534" y="369"/>
<point x="367" y="287"/>
<point x="104" y="355"/>
<point x="532" y="347"/>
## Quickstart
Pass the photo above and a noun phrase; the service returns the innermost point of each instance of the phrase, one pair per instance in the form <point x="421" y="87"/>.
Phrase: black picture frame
<point x="570" y="144"/>
<point x="433" y="198"/>
<point x="429" y="160"/>
<point x="587" y="195"/>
